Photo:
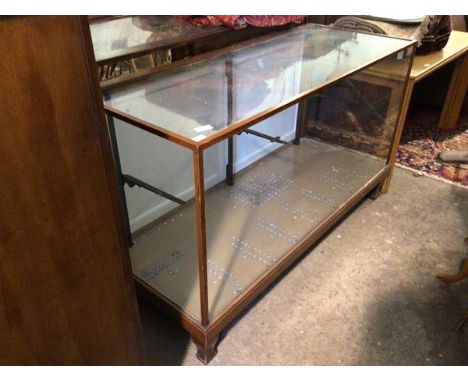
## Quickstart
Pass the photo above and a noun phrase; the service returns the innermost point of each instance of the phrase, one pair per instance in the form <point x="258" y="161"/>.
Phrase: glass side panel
<point x="112" y="38"/>
<point x="360" y="112"/>
<point x="256" y="78"/>
<point x="155" y="161"/>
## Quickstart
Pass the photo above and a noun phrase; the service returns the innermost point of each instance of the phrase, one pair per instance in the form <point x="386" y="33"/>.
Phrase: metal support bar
<point x="230" y="112"/>
<point x="230" y="161"/>
<point x="132" y="181"/>
<point x="265" y="136"/>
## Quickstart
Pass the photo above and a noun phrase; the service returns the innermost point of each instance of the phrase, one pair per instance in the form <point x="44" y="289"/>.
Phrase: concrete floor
<point x="365" y="295"/>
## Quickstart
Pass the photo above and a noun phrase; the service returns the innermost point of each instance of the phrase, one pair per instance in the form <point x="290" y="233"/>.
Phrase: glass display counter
<point x="244" y="194"/>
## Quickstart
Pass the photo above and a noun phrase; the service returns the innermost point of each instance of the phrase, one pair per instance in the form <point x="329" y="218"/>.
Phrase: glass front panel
<point x="282" y="193"/>
<point x="256" y="78"/>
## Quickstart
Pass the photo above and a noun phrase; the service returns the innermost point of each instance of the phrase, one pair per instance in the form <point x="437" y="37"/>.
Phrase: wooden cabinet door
<point x="66" y="290"/>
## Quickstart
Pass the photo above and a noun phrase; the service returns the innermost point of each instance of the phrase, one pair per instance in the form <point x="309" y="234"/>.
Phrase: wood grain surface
<point x="66" y="293"/>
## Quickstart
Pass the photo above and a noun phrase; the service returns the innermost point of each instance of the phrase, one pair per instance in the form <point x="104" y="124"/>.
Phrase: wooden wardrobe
<point x="66" y="291"/>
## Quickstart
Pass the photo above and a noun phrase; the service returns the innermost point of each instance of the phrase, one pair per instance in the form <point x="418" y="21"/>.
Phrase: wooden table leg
<point x="455" y="95"/>
<point x="398" y="132"/>
<point x="462" y="273"/>
<point x="206" y="348"/>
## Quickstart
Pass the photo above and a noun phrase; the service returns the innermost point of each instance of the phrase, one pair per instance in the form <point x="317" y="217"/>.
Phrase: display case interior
<point x="273" y="205"/>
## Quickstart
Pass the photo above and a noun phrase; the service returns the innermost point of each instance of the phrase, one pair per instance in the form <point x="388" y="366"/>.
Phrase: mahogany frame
<point x="205" y="333"/>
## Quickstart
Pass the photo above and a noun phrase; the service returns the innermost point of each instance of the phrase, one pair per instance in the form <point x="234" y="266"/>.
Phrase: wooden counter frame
<point x="205" y="333"/>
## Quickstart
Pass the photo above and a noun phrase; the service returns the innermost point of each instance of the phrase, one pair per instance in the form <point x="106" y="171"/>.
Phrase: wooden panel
<point x="66" y="293"/>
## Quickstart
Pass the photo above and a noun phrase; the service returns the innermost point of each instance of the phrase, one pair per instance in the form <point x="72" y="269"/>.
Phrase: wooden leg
<point x="206" y="348"/>
<point x="455" y="95"/>
<point x="462" y="273"/>
<point x="453" y="279"/>
<point x="376" y="192"/>
<point x="397" y="134"/>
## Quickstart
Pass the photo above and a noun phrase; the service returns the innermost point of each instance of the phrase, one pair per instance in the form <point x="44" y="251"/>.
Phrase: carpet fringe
<point x="431" y="176"/>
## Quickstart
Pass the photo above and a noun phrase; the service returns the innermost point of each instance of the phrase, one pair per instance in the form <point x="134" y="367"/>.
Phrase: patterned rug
<point x="422" y="142"/>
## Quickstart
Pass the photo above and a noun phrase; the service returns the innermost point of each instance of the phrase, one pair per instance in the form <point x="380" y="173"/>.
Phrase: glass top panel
<point x="115" y="37"/>
<point x="200" y="99"/>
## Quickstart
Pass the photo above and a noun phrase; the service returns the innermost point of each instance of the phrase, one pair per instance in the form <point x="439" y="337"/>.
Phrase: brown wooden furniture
<point x="449" y="279"/>
<point x="423" y="66"/>
<point x="217" y="249"/>
<point x="455" y="50"/>
<point x="462" y="273"/>
<point x="66" y="292"/>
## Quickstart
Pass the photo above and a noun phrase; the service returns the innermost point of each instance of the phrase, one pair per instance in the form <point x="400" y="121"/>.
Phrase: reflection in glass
<point x="115" y="37"/>
<point x="360" y="112"/>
